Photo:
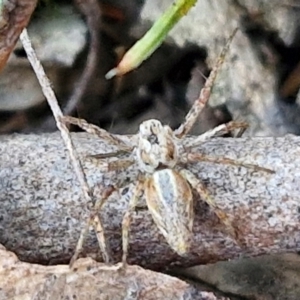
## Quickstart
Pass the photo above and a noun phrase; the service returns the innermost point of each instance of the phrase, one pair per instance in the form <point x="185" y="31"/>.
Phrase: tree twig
<point x="89" y="280"/>
<point x="14" y="16"/>
<point x="91" y="10"/>
<point x="42" y="208"/>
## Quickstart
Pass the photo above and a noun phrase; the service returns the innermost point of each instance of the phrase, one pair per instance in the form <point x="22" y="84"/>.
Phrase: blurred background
<point x="78" y="43"/>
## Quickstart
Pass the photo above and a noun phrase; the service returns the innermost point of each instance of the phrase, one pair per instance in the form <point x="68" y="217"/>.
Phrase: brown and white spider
<point x="161" y="156"/>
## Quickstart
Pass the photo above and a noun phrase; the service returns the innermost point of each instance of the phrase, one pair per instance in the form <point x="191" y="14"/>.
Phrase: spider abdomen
<point x="170" y="201"/>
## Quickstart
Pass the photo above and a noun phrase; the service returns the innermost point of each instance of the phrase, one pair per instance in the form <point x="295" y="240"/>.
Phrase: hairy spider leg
<point x="204" y="195"/>
<point x="94" y="221"/>
<point x="215" y="132"/>
<point x="195" y="157"/>
<point x="205" y="93"/>
<point x="99" y="132"/>
<point x="127" y="219"/>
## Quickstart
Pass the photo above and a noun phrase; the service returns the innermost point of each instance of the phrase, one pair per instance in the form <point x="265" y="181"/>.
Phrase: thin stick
<point x="57" y="113"/>
<point x="91" y="11"/>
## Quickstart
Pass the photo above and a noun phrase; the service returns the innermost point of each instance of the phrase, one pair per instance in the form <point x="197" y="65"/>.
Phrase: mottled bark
<point x="42" y="209"/>
<point x="14" y="17"/>
<point x="89" y="280"/>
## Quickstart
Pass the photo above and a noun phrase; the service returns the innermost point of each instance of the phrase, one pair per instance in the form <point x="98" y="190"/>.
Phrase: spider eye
<point x="152" y="139"/>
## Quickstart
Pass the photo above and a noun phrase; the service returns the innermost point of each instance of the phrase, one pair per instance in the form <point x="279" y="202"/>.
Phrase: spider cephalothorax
<point x="156" y="146"/>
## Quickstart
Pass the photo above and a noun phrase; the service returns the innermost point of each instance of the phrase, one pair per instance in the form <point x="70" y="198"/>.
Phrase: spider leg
<point x="94" y="221"/>
<point x="110" y="166"/>
<point x="108" y="155"/>
<point x="195" y="157"/>
<point x="204" y="194"/>
<point x="99" y="132"/>
<point x="119" y="164"/>
<point x="205" y="93"/>
<point x="240" y="132"/>
<point x="215" y="132"/>
<point x="127" y="218"/>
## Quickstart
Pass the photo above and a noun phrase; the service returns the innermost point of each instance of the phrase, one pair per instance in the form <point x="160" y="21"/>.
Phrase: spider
<point x="161" y="156"/>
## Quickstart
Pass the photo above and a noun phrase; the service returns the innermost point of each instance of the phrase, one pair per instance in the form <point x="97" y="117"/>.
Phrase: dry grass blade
<point x="57" y="113"/>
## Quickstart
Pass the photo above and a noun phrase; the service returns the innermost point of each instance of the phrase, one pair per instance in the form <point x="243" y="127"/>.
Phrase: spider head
<point x="157" y="146"/>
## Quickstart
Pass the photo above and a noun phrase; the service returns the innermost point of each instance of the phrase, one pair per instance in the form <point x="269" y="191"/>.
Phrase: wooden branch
<point x="42" y="209"/>
<point x="89" y="280"/>
<point x="90" y="9"/>
<point x="14" y="17"/>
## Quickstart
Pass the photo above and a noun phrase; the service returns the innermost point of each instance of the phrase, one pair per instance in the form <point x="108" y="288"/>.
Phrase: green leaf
<point x="143" y="48"/>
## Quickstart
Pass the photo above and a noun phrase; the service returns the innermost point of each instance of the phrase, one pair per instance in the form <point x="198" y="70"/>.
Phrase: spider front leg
<point x="215" y="132"/>
<point x="196" y="157"/>
<point x="126" y="220"/>
<point x="205" y="93"/>
<point x="97" y="131"/>
<point x="94" y="221"/>
<point x="110" y="166"/>
<point x="204" y="194"/>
